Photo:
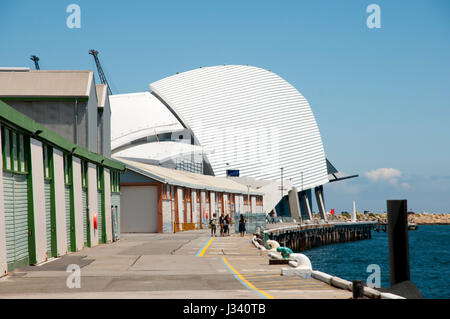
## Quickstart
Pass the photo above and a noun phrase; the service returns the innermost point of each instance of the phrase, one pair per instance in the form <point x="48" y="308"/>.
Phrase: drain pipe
<point x="75" y="131"/>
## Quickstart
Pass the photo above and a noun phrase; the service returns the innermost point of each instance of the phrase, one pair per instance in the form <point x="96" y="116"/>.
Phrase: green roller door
<point x="16" y="219"/>
<point x="8" y="194"/>
<point x="85" y="217"/>
<point x="48" y="216"/>
<point x="68" y="228"/>
<point x="99" y="217"/>
<point x="115" y="202"/>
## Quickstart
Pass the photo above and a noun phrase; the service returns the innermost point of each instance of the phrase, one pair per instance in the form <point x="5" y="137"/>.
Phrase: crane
<point x="35" y="59"/>
<point x="101" y="74"/>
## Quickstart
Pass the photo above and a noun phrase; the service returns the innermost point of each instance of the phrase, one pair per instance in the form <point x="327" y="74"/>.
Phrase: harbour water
<point x="429" y="249"/>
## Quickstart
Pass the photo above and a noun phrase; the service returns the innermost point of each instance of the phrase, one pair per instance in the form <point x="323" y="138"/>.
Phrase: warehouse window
<point x="259" y="200"/>
<point x="13" y="151"/>
<point x="115" y="181"/>
<point x="21" y="155"/>
<point x="46" y="152"/>
<point x="84" y="174"/>
<point x="6" y="148"/>
<point x="216" y="202"/>
<point x="187" y="194"/>
<point x="112" y="181"/>
<point x="99" y="178"/>
<point x="165" y="191"/>
<point x="67" y="169"/>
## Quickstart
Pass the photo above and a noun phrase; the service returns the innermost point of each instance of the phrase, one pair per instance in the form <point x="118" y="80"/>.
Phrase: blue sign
<point x="233" y="172"/>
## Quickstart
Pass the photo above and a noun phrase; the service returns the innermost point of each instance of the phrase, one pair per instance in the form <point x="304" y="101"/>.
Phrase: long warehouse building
<point x="59" y="189"/>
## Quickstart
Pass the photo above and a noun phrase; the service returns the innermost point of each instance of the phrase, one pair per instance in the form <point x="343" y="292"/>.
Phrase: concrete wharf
<point x="184" y="265"/>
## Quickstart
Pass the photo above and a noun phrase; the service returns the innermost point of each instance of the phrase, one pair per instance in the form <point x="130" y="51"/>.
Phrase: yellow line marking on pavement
<point x="260" y="276"/>
<point x="245" y="281"/>
<point x="286" y="286"/>
<point x="205" y="247"/>
<point x="283" y="282"/>
<point x="270" y="281"/>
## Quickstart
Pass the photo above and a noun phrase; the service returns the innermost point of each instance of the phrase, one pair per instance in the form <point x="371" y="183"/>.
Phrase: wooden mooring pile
<point x="304" y="237"/>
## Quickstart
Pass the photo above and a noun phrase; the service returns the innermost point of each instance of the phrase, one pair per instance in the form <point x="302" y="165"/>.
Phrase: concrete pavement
<point x="165" y="266"/>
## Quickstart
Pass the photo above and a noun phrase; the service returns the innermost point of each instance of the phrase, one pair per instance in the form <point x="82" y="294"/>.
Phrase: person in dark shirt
<point x="226" y="225"/>
<point x="221" y="223"/>
<point x="242" y="225"/>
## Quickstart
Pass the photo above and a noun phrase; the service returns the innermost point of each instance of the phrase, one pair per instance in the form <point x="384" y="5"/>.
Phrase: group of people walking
<point x="225" y="224"/>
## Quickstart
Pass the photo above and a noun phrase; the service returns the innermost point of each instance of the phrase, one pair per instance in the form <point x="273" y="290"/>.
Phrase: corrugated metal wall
<point x="67" y="191"/>
<point x="85" y="216"/>
<point x="48" y="216"/>
<point x="16" y="219"/>
<point x="99" y="217"/>
<point x="115" y="202"/>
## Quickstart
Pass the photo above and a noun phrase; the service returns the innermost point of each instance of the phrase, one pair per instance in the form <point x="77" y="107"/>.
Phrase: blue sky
<point x="381" y="97"/>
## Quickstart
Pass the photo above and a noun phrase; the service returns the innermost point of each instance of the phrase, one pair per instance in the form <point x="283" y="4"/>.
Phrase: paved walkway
<point x="166" y="266"/>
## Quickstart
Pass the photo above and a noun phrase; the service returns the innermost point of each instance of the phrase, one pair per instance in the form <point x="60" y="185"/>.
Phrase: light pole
<point x="248" y="200"/>
<point x="281" y="182"/>
<point x="302" y="196"/>
<point x="282" y="191"/>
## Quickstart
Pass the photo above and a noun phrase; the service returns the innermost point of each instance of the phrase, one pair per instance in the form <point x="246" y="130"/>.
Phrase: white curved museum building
<point x="228" y="117"/>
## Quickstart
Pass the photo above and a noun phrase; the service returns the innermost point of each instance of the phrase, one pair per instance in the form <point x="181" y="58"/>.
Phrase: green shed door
<point x="8" y="194"/>
<point x="85" y="217"/>
<point x="48" y="216"/>
<point x="67" y="196"/>
<point x="16" y="219"/>
<point x="99" y="217"/>
<point x="115" y="202"/>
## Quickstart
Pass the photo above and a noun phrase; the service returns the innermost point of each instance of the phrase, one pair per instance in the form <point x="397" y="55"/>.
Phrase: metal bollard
<point x="398" y="241"/>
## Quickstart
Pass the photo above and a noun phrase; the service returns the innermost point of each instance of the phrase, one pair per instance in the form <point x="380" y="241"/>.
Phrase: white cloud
<point x="405" y="185"/>
<point x="384" y="174"/>
<point x="390" y="175"/>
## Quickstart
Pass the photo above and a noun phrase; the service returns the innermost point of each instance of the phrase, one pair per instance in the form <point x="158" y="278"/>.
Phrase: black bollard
<point x="358" y="289"/>
<point x="398" y="241"/>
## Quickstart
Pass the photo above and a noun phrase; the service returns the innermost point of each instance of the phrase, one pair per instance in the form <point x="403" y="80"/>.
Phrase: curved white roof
<point x="251" y="119"/>
<point x="158" y="152"/>
<point x="138" y="115"/>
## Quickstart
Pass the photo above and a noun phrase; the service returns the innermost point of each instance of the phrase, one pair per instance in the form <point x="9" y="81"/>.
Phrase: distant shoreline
<point x="419" y="219"/>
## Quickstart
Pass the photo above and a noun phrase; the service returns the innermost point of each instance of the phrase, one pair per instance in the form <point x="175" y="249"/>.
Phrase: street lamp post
<point x="281" y="182"/>
<point x="248" y="200"/>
